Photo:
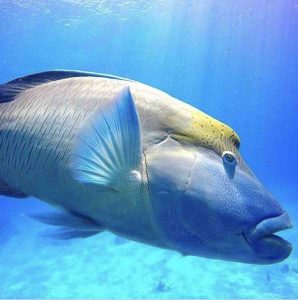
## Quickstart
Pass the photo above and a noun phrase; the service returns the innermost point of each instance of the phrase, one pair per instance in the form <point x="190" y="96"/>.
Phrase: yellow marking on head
<point x="208" y="132"/>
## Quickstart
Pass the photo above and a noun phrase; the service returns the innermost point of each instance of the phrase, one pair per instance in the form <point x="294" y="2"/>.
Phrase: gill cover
<point x="169" y="172"/>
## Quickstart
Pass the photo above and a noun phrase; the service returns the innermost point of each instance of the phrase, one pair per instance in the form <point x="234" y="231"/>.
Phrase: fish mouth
<point x="267" y="245"/>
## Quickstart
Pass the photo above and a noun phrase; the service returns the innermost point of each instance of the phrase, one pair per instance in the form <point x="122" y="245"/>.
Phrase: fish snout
<point x="268" y="246"/>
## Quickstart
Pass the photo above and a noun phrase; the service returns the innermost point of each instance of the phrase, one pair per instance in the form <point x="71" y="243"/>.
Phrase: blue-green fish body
<point x="119" y="155"/>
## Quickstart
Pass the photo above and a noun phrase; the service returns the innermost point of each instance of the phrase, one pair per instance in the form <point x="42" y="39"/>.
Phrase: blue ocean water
<point x="235" y="60"/>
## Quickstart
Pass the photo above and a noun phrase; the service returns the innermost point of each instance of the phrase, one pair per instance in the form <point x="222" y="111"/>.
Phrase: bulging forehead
<point x="206" y="129"/>
<point x="201" y="131"/>
<point x="207" y="132"/>
<point x="162" y="113"/>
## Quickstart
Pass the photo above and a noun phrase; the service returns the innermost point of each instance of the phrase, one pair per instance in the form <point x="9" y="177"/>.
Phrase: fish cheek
<point x="196" y="215"/>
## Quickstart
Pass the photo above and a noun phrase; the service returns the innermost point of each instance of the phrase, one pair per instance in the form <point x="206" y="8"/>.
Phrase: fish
<point x="113" y="154"/>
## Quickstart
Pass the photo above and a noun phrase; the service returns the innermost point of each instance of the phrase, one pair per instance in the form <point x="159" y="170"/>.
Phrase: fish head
<point x="233" y="214"/>
<point x="207" y="202"/>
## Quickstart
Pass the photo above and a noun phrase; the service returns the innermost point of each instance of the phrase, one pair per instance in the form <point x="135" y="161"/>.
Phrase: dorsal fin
<point x="11" y="89"/>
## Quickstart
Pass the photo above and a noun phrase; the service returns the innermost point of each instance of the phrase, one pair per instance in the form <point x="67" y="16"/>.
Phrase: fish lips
<point x="268" y="246"/>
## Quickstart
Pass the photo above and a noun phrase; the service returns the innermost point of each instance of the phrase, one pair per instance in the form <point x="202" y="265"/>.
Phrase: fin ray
<point x="67" y="220"/>
<point x="68" y="234"/>
<point x="109" y="147"/>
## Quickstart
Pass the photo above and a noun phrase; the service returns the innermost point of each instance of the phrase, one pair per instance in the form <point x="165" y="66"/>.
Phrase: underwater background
<point x="235" y="60"/>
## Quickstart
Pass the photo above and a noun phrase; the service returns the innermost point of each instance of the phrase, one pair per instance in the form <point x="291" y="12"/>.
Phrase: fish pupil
<point x="229" y="157"/>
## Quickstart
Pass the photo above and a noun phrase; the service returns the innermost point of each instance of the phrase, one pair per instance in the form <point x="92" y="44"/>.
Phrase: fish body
<point x="130" y="159"/>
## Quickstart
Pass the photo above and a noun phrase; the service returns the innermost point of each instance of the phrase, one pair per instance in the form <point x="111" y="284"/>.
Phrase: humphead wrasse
<point x="114" y="154"/>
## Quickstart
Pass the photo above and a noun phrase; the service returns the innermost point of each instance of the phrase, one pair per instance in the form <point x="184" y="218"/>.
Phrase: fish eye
<point x="229" y="157"/>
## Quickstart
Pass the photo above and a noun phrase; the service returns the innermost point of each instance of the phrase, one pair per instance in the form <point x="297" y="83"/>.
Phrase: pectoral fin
<point x="108" y="151"/>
